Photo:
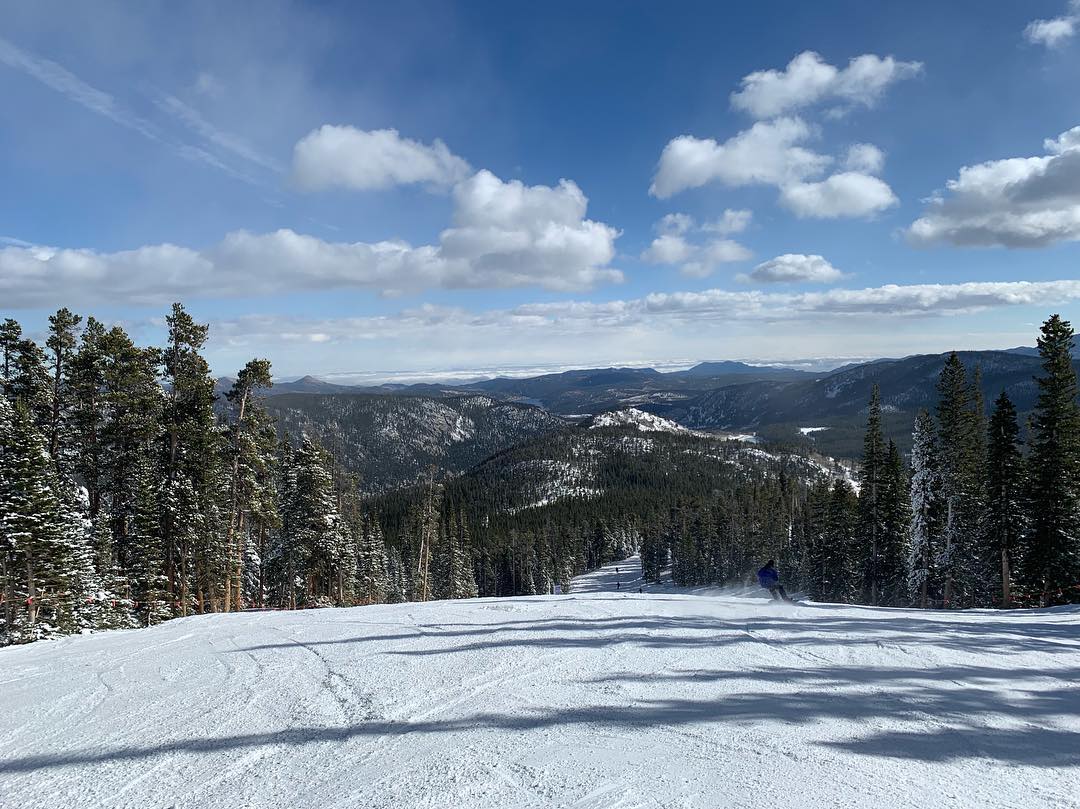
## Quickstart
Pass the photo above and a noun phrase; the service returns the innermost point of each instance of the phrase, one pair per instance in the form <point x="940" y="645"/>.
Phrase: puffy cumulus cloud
<point x="849" y="193"/>
<point x="768" y="153"/>
<point x="730" y="221"/>
<point x="1015" y="202"/>
<point x="772" y="153"/>
<point x="794" y="268"/>
<point x="668" y="248"/>
<point x="504" y="235"/>
<point x="1066" y="141"/>
<point x="346" y="157"/>
<point x="696" y="259"/>
<point x="864" y="157"/>
<point x="511" y="234"/>
<point x="808" y="80"/>
<point x="1056" y="31"/>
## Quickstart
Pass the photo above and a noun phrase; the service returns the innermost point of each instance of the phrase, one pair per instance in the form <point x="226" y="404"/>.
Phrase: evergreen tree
<point x="251" y="447"/>
<point x="373" y="583"/>
<point x="871" y="506"/>
<point x="146" y="555"/>
<point x="398" y="586"/>
<point x="316" y="524"/>
<point x="926" y="513"/>
<point x="39" y="559"/>
<point x="960" y="451"/>
<point x="1005" y="517"/>
<point x="191" y="453"/>
<point x="10" y="339"/>
<point x="61" y="344"/>
<point x="85" y="382"/>
<point x="895" y="519"/>
<point x="1052" y="562"/>
<point x="833" y="562"/>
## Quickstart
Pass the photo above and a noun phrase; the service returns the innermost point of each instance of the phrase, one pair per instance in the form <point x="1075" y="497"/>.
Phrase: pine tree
<point x="833" y="558"/>
<point x="61" y="344"/>
<point x="10" y="339"/>
<point x="1053" y="555"/>
<point x="8" y="557"/>
<point x="871" y="508"/>
<point x="39" y="553"/>
<point x="926" y="512"/>
<point x="1005" y="517"/>
<point x="896" y="517"/>
<point x="250" y="476"/>
<point x="85" y="381"/>
<point x="372" y="566"/>
<point x="960" y="450"/>
<point x="191" y="453"/>
<point x="147" y="551"/>
<point x="398" y="586"/>
<point x="316" y="524"/>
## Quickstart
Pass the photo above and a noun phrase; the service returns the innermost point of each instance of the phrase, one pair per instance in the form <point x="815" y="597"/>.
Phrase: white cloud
<point x="795" y="268"/>
<point x="505" y="234"/>
<point x="768" y="153"/>
<point x="849" y="193"/>
<point x="510" y="234"/>
<point x="1066" y="141"/>
<point x="1016" y="202"/>
<point x="668" y="248"/>
<point x="711" y="306"/>
<point x="346" y="157"/>
<point x="675" y="224"/>
<point x="677" y="324"/>
<point x="1055" y="32"/>
<point x="808" y="79"/>
<point x="864" y="157"/>
<point x="709" y="256"/>
<point x="730" y="221"/>
<point x="696" y="260"/>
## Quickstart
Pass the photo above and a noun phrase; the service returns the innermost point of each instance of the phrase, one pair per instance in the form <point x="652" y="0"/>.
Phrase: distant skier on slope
<point x="769" y="579"/>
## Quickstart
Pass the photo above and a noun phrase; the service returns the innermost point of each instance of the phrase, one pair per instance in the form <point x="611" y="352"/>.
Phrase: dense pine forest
<point x="131" y="493"/>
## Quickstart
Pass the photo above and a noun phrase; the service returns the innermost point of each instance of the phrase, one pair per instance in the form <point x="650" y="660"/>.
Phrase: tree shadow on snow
<point x="998" y="637"/>
<point x="954" y="704"/>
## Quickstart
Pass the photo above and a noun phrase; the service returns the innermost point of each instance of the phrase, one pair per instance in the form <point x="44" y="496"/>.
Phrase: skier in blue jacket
<point x="769" y="579"/>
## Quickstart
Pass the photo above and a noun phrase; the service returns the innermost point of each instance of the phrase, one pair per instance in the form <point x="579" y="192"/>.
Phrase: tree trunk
<point x="947" y="592"/>
<point x="1005" y="578"/>
<point x="31" y="591"/>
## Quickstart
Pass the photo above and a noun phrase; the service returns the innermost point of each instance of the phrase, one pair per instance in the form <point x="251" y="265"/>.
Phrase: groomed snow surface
<point x="600" y="698"/>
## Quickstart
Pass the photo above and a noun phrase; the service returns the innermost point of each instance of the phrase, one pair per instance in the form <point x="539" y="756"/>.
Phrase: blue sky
<point x="354" y="188"/>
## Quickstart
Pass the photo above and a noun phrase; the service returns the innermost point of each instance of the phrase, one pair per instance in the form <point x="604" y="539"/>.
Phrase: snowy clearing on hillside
<point x="600" y="698"/>
<point x="632" y="417"/>
<point x="809" y="430"/>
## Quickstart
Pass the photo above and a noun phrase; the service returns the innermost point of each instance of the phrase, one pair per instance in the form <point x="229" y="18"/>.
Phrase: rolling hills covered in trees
<point x="132" y="492"/>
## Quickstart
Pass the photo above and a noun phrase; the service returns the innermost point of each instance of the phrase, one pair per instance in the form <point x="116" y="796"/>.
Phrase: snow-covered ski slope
<point x="600" y="698"/>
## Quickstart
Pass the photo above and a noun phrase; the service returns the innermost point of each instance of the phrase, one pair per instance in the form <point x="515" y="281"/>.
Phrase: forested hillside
<point x="838" y="400"/>
<point x="390" y="441"/>
<point x="130" y="492"/>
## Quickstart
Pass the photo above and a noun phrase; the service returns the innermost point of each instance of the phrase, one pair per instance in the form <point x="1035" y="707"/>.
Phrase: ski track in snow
<point x="597" y="699"/>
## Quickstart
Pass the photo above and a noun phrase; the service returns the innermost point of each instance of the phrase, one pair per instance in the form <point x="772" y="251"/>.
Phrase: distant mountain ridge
<point x="712" y="396"/>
